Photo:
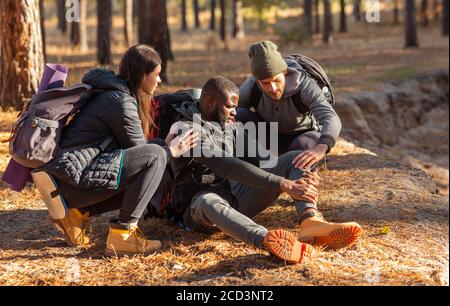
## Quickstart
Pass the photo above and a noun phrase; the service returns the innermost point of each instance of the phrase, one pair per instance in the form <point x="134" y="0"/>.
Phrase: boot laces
<point x="141" y="240"/>
<point x="85" y="226"/>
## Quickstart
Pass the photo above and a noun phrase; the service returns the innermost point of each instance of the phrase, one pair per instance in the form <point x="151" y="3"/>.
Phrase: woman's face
<point x="151" y="81"/>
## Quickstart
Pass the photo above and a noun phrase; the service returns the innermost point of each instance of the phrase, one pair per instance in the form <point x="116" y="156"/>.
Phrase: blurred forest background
<point x="389" y="171"/>
<point x="201" y="38"/>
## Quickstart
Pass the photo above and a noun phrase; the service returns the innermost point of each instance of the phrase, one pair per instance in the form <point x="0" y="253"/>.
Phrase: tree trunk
<point x="424" y="13"/>
<point x="343" y="25"/>
<point x="128" y="20"/>
<point x="396" y="12"/>
<point x="411" y="27"/>
<point x="184" y="25"/>
<point x="143" y="13"/>
<point x="83" y="25"/>
<point x="436" y="9"/>
<point x="78" y="31"/>
<point x="75" y="33"/>
<point x="135" y="9"/>
<point x="22" y="58"/>
<point x="326" y="19"/>
<point x="223" y="21"/>
<point x="42" y="21"/>
<point x="238" y="20"/>
<point x="445" y="18"/>
<point x="170" y="56"/>
<point x="317" y="16"/>
<point x="104" y="28"/>
<point x="307" y="17"/>
<point x="357" y="10"/>
<point x="61" y="12"/>
<point x="212" y="22"/>
<point x="331" y="22"/>
<point x="196" y="14"/>
<point x="159" y="38"/>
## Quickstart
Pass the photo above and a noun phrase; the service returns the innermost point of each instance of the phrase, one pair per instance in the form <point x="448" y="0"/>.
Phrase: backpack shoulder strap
<point x="255" y="96"/>
<point x="298" y="103"/>
<point x="106" y="143"/>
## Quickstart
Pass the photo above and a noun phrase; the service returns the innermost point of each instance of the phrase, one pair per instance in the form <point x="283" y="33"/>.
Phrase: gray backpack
<point x="36" y="134"/>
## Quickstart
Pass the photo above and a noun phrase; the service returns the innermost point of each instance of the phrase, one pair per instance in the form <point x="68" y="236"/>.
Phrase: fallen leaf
<point x="385" y="230"/>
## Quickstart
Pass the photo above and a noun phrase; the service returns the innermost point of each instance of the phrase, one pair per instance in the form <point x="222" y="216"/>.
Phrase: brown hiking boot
<point x="130" y="241"/>
<point x="316" y="230"/>
<point x="73" y="226"/>
<point x="285" y="246"/>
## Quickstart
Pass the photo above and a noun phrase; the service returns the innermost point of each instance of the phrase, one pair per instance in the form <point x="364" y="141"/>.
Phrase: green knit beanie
<point x="266" y="61"/>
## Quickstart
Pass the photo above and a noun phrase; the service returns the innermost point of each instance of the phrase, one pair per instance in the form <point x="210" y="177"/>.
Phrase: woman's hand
<point x="183" y="143"/>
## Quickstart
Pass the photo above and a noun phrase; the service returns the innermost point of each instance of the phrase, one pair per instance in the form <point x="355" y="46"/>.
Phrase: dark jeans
<point x="286" y="143"/>
<point x="142" y="173"/>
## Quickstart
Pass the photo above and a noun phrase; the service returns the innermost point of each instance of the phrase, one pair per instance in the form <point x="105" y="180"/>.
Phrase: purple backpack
<point x="36" y="134"/>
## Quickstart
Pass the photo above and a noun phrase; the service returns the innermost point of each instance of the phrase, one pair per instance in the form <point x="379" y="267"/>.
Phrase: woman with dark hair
<point x="108" y="161"/>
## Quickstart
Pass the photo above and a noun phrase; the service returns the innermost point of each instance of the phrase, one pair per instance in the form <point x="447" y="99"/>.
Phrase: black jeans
<point x="286" y="143"/>
<point x="142" y="172"/>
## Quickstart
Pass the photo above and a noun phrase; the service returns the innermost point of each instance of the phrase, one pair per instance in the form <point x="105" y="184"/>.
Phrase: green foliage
<point x="258" y="8"/>
<point x="290" y="35"/>
<point x="399" y="73"/>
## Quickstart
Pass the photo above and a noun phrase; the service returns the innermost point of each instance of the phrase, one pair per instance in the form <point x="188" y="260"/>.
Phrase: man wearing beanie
<point x="281" y="82"/>
<point x="307" y="124"/>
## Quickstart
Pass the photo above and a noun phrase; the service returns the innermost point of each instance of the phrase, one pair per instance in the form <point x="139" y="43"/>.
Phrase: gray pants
<point x="209" y="211"/>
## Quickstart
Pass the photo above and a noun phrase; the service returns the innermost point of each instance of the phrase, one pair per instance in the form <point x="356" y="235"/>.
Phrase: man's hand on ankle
<point x="311" y="178"/>
<point x="300" y="190"/>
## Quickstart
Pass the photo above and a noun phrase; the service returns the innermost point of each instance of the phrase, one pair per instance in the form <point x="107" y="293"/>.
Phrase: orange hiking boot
<point x="285" y="246"/>
<point x="316" y="230"/>
<point x="73" y="226"/>
<point x="129" y="241"/>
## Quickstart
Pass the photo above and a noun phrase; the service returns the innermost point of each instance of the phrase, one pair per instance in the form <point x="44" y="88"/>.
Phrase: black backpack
<point x="313" y="70"/>
<point x="166" y="115"/>
<point x="167" y="110"/>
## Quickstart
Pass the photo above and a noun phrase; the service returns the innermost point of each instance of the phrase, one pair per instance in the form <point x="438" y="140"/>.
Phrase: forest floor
<point x="405" y="221"/>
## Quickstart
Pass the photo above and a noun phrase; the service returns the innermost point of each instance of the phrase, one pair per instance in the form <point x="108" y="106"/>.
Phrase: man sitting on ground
<point x="217" y="191"/>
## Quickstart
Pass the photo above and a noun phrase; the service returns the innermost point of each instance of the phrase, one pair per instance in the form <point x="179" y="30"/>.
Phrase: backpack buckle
<point x="34" y="123"/>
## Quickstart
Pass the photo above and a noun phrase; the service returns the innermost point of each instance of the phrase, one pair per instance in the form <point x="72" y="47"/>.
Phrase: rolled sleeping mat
<point x="50" y="195"/>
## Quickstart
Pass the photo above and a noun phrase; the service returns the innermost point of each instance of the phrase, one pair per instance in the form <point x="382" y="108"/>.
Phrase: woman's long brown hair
<point x="138" y="61"/>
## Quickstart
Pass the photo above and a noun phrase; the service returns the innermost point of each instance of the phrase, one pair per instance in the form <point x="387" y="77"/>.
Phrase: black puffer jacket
<point x="114" y="113"/>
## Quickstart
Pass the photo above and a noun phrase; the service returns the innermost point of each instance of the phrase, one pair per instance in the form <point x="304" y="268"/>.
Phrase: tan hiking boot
<point x="317" y="231"/>
<point x="285" y="246"/>
<point x="130" y="242"/>
<point x="73" y="226"/>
